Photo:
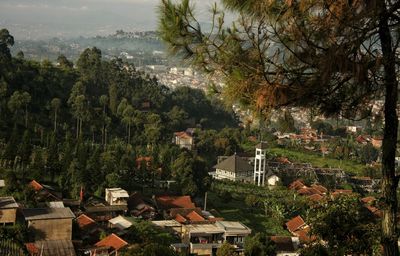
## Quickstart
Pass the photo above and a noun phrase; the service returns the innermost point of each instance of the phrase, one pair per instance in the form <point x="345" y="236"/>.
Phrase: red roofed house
<point x="89" y="228"/>
<point x="321" y="189"/>
<point x="296" y="185"/>
<point x="315" y="197"/>
<point x="183" y="140"/>
<point x="295" y="224"/>
<point x="299" y="228"/>
<point x="338" y="192"/>
<point x="44" y="192"/>
<point x="113" y="243"/>
<point x="36" y="185"/>
<point x="168" y="202"/>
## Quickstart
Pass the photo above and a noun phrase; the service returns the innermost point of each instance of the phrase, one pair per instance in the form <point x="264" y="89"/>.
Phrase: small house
<point x="49" y="223"/>
<point x="234" y="168"/>
<point x="116" y="196"/>
<point x="8" y="210"/>
<point x="184" y="140"/>
<point x="111" y="243"/>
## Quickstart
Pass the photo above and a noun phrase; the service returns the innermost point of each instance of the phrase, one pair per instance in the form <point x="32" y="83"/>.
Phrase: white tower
<point x="260" y="164"/>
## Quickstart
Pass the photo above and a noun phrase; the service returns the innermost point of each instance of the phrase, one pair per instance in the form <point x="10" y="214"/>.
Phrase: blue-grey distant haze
<point x="39" y="19"/>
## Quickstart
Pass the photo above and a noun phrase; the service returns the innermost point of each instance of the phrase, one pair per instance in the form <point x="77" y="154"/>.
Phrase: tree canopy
<point x="335" y="56"/>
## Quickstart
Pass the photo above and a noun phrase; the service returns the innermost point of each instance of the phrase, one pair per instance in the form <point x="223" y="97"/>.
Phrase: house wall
<point x="8" y="215"/>
<point x="55" y="229"/>
<point x="184" y="142"/>
<point x="203" y="252"/>
<point x="240" y="176"/>
<point x="287" y="254"/>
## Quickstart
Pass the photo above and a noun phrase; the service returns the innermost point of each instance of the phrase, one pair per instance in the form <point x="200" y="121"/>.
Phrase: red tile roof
<point x="338" y="192"/>
<point x="194" y="216"/>
<point x="320" y="188"/>
<point x="375" y="211"/>
<point x="182" y="134"/>
<point x="296" y="185"/>
<point x="295" y="223"/>
<point x="315" y="197"/>
<point x="36" y="185"/>
<point x="112" y="241"/>
<point x="179" y="218"/>
<point x="168" y="202"/>
<point x="368" y="199"/>
<point x="85" y="221"/>
<point x="304" y="235"/>
<point x="307" y="191"/>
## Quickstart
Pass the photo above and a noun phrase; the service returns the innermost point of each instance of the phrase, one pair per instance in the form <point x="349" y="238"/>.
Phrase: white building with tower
<point x="260" y="164"/>
<point x="246" y="169"/>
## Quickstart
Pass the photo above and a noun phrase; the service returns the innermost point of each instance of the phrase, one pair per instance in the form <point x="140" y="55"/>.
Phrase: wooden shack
<point x="8" y="210"/>
<point x="49" y="223"/>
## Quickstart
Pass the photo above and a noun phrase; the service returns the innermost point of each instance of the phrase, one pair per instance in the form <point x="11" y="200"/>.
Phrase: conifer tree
<point x="333" y="55"/>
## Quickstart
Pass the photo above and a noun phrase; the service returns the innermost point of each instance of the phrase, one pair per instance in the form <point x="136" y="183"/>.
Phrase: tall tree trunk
<point x="129" y="133"/>
<point x="80" y="127"/>
<point x="26" y="116"/>
<point x="77" y="128"/>
<point x="389" y="179"/>
<point x="105" y="138"/>
<point x="55" y="122"/>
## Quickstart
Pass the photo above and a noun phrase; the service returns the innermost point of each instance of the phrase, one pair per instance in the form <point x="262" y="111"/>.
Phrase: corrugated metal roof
<point x="51" y="248"/>
<point x="8" y="202"/>
<point x="48" y="213"/>
<point x="120" y="222"/>
<point x="56" y="204"/>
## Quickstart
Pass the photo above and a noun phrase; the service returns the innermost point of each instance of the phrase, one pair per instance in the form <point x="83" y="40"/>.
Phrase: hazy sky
<point x="66" y="18"/>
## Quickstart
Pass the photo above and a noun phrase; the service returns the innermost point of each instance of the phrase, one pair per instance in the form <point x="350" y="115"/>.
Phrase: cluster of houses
<point x="65" y="227"/>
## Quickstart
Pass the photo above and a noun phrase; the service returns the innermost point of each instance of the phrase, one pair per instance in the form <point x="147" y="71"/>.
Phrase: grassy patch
<point x="319" y="161"/>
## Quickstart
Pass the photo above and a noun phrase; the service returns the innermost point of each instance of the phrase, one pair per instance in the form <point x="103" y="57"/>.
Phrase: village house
<point x="184" y="140"/>
<point x="103" y="213"/>
<point x="234" y="168"/>
<point x="120" y="223"/>
<point x="88" y="227"/>
<point x="8" y="210"/>
<point x="138" y="207"/>
<point x="50" y="223"/>
<point x="116" y="196"/>
<point x="171" y="226"/>
<point x="108" y="246"/>
<point x="45" y="192"/>
<point x="300" y="229"/>
<point x="205" y="239"/>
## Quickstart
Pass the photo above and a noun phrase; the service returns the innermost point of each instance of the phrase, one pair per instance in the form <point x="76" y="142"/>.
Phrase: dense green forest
<point x="85" y="124"/>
